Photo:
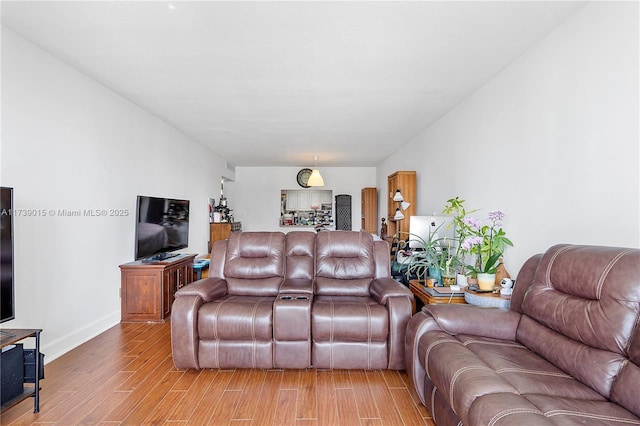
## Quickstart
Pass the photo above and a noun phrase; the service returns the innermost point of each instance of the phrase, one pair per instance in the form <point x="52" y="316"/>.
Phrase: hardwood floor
<point x="125" y="376"/>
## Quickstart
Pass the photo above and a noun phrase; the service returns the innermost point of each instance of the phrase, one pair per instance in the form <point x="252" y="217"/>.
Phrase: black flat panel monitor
<point x="162" y="227"/>
<point x="7" y="306"/>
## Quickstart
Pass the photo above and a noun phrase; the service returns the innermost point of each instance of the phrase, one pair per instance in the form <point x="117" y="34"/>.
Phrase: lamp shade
<point x="404" y="205"/>
<point x="398" y="215"/>
<point x="398" y="196"/>
<point x="315" y="179"/>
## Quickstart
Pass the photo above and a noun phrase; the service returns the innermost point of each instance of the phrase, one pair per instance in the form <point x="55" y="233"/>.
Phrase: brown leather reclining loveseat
<point x="567" y="352"/>
<point x="295" y="300"/>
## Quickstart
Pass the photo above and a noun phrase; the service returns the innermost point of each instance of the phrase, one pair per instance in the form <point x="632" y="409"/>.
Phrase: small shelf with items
<point x="15" y="378"/>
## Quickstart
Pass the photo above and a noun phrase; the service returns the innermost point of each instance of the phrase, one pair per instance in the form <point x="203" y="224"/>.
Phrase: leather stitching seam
<point x="591" y="416"/>
<point x="454" y="378"/>
<point x="511" y="411"/>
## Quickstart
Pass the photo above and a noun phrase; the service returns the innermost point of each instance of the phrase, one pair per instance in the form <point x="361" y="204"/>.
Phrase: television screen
<point x="7" y="309"/>
<point x="162" y="227"/>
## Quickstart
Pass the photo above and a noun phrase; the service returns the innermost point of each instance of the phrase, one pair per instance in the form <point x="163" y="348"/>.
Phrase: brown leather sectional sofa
<point x="567" y="352"/>
<point x="294" y="300"/>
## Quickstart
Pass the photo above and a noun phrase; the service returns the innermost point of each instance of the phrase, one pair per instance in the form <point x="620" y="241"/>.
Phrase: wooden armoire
<point x="405" y="181"/>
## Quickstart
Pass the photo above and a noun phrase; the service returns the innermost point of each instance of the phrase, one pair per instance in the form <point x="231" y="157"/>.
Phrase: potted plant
<point x="448" y="263"/>
<point x="432" y="257"/>
<point x="455" y="208"/>
<point x="487" y="243"/>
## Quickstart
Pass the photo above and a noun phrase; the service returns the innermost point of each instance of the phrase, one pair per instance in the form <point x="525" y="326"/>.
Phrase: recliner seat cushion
<point x="236" y="318"/>
<point x="485" y="380"/>
<point x="344" y="318"/>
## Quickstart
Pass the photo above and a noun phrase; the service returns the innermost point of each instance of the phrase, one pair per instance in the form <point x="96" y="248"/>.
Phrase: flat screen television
<point x="162" y="227"/>
<point x="7" y="307"/>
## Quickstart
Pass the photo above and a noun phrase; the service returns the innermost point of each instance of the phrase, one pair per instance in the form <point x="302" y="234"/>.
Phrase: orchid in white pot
<point x="487" y="243"/>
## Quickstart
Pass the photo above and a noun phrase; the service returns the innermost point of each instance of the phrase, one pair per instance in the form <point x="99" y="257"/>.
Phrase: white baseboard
<point x="74" y="339"/>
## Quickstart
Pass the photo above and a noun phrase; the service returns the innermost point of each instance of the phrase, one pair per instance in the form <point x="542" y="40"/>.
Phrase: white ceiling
<point x="275" y="83"/>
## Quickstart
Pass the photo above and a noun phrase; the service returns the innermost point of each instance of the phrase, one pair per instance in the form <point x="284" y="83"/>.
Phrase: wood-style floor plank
<point x="210" y="399"/>
<point x="194" y="394"/>
<point x="253" y="387"/>
<point x="381" y="396"/>
<point x="347" y="407"/>
<point x="364" y="400"/>
<point x="327" y="398"/>
<point x="126" y="376"/>
<point x="306" y="408"/>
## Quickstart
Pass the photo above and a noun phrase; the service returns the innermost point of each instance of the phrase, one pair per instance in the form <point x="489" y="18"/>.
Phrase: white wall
<point x="69" y="143"/>
<point x="552" y="140"/>
<point x="256" y="192"/>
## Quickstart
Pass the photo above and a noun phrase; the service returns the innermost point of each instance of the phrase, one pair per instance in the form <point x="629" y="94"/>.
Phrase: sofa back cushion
<point x="254" y="263"/>
<point x="300" y="254"/>
<point x="581" y="312"/>
<point x="345" y="263"/>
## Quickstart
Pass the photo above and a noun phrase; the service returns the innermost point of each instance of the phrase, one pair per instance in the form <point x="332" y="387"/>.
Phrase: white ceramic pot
<point x="461" y="280"/>
<point x="486" y="281"/>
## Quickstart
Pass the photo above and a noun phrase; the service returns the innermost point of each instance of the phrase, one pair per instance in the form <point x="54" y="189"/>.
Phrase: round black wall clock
<point x="303" y="177"/>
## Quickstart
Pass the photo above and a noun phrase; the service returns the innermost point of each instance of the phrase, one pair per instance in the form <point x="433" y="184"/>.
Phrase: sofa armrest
<point x="207" y="289"/>
<point x="184" y="331"/>
<point x="454" y="319"/>
<point x="383" y="288"/>
<point x="418" y="325"/>
<point x="184" y="318"/>
<point x="397" y="298"/>
<point x="475" y="320"/>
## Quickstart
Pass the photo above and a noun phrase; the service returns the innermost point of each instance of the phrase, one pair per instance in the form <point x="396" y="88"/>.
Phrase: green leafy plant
<point x="455" y="208"/>
<point x="432" y="253"/>
<point x="487" y="242"/>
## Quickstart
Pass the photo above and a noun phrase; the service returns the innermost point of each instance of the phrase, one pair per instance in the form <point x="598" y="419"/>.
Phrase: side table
<point x="429" y="295"/>
<point x="486" y="299"/>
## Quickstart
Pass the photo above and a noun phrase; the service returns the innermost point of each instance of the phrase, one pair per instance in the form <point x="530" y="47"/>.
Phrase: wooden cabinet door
<point x="219" y="231"/>
<point x="141" y="295"/>
<point x="169" y="287"/>
<point x="369" y="210"/>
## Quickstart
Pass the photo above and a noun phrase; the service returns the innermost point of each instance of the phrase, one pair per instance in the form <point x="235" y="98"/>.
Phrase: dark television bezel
<point x="164" y="254"/>
<point x="9" y="211"/>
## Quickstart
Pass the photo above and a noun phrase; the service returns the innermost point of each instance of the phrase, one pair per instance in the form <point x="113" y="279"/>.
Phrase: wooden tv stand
<point x="148" y="288"/>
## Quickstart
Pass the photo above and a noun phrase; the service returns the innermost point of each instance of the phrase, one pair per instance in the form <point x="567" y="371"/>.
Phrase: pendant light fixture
<point x="316" y="178"/>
